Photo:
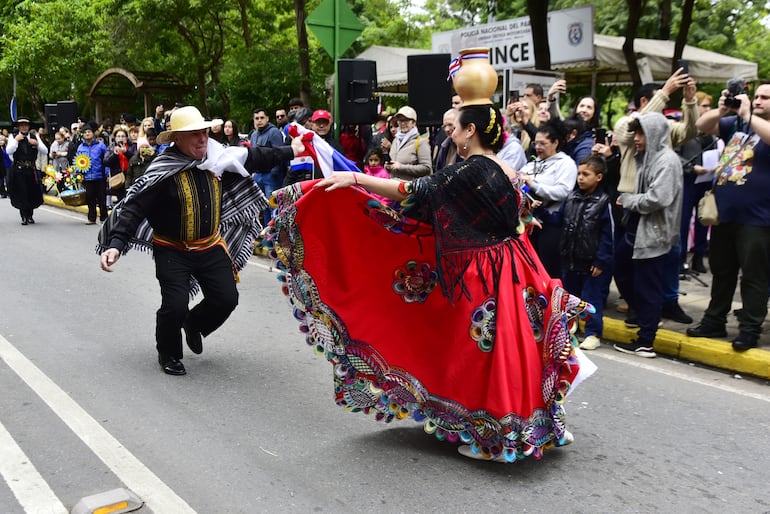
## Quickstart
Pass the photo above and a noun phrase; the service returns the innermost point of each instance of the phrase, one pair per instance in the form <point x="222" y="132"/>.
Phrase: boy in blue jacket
<point x="586" y="247"/>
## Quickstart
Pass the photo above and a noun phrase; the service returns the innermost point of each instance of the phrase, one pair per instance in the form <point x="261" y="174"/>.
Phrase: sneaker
<point x="697" y="264"/>
<point x="636" y="348"/>
<point x="674" y="312"/>
<point x="631" y="322"/>
<point x="590" y="343"/>
<point x="89" y="222"/>
<point x="622" y="307"/>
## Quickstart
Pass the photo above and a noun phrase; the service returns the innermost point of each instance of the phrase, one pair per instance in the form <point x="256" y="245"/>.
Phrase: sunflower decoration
<point x="82" y="162"/>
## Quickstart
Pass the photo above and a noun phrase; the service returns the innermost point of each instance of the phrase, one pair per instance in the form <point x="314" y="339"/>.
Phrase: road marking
<point x="266" y="267"/>
<point x="130" y="470"/>
<point x="62" y="212"/>
<point x="31" y="490"/>
<point x="676" y="374"/>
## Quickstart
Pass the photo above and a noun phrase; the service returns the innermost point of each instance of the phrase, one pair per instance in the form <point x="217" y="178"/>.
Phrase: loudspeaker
<point x="357" y="80"/>
<point x="430" y="94"/>
<point x="51" y="122"/>
<point x="67" y="112"/>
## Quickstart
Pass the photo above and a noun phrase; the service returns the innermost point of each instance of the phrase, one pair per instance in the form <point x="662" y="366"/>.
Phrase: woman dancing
<point x="440" y="312"/>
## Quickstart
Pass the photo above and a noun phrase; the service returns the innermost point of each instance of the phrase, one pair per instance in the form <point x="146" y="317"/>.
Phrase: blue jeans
<point x="594" y="290"/>
<point x="268" y="182"/>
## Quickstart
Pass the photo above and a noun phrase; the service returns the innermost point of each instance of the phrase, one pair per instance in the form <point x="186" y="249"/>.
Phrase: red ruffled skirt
<point x="491" y="371"/>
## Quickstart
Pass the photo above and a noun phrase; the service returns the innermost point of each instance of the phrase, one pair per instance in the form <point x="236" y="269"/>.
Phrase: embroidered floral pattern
<point x="483" y="325"/>
<point x="414" y="281"/>
<point x="536" y="304"/>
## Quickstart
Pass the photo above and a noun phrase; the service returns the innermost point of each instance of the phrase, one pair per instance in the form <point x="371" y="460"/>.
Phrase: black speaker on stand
<point x="357" y="81"/>
<point x="67" y="112"/>
<point x="430" y="94"/>
<point x="51" y="121"/>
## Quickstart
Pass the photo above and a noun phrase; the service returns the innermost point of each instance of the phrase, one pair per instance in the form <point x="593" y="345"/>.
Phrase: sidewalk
<point x="671" y="338"/>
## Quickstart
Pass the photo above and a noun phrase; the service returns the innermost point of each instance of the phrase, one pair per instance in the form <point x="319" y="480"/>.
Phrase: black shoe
<point x="631" y="322"/>
<point x="193" y="337"/>
<point x="636" y="348"/>
<point x="704" y="330"/>
<point x="23" y="221"/>
<point x="171" y="366"/>
<point x="674" y="312"/>
<point x="744" y="342"/>
<point x="697" y="264"/>
<point x="30" y="220"/>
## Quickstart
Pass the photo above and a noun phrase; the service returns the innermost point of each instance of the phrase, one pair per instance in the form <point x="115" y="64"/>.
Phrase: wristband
<point x="355" y="177"/>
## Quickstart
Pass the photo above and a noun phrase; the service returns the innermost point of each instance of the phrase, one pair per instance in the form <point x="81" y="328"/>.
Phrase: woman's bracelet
<point x="355" y="177"/>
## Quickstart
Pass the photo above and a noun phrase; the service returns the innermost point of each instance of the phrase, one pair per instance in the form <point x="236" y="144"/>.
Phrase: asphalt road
<point x="84" y="408"/>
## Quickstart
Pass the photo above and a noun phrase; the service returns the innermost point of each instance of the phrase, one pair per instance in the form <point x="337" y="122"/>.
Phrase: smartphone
<point x="682" y="63"/>
<point x="513" y="96"/>
<point x="600" y="135"/>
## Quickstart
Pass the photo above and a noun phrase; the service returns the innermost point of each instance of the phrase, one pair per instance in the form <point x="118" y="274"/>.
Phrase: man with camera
<point x="740" y="243"/>
<point x="23" y="178"/>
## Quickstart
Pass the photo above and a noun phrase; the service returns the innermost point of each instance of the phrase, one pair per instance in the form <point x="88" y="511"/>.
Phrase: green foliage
<point x="243" y="53"/>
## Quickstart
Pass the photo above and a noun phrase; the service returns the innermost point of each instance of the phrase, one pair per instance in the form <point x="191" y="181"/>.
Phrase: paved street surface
<point x="253" y="428"/>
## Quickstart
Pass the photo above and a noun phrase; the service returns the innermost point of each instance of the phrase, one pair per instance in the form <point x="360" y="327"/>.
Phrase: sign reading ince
<point x="570" y="37"/>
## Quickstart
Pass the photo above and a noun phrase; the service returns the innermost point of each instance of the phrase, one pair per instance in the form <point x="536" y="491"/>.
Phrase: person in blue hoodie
<point x="89" y="160"/>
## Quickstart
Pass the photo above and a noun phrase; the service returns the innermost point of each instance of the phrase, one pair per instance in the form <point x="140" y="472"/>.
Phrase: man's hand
<point x="689" y="90"/>
<point x="560" y="86"/>
<point x="108" y="258"/>
<point x="674" y="82"/>
<point x="297" y="145"/>
<point x="745" y="109"/>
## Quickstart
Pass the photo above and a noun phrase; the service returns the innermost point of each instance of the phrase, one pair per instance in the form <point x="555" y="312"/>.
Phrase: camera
<point x="735" y="87"/>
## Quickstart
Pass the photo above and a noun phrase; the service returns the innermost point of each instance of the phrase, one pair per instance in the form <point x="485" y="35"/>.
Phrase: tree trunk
<point x="538" y="21"/>
<point x="635" y="8"/>
<point x="245" y="24"/>
<point x="681" y="40"/>
<point x="304" y="53"/>
<point x="684" y="29"/>
<point x="664" y="20"/>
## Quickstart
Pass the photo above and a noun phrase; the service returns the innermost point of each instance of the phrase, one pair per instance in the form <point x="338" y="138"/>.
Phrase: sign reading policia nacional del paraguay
<point x="570" y="37"/>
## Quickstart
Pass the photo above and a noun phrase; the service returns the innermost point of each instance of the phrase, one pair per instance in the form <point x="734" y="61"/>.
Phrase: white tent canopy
<point x="608" y="66"/>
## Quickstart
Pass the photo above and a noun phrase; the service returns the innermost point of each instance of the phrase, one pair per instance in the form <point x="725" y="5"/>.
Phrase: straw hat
<point x="186" y="119"/>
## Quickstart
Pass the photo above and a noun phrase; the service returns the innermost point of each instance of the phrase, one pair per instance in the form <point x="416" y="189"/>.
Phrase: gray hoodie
<point x="657" y="196"/>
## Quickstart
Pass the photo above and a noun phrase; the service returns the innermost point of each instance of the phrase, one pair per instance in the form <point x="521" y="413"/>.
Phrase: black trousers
<point x="96" y="192"/>
<point x="739" y="251"/>
<point x="213" y="269"/>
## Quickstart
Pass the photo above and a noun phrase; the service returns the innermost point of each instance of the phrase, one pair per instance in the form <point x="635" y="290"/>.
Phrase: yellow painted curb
<point x="55" y="201"/>
<point x="718" y="354"/>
